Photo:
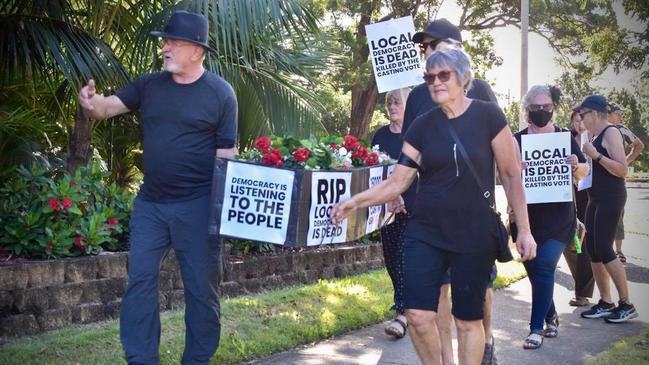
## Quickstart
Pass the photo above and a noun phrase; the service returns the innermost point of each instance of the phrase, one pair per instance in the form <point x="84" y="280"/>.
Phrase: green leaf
<point x="75" y="210"/>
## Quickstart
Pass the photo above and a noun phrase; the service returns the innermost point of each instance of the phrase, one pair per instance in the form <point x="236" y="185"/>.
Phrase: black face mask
<point x="540" y="118"/>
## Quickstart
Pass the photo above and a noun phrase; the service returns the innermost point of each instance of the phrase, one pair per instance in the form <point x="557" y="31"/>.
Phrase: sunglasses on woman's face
<point x="443" y="76"/>
<point x="537" y="107"/>
<point x="423" y="46"/>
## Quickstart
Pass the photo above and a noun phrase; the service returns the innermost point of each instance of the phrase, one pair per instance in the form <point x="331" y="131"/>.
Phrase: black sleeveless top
<point x="604" y="183"/>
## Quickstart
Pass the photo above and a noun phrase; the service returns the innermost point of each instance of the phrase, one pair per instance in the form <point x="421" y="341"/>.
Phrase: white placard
<point x="327" y="189"/>
<point x="256" y="202"/>
<point x="587" y="181"/>
<point x="374" y="212"/>
<point x="395" y="58"/>
<point x="547" y="178"/>
<point x="388" y="217"/>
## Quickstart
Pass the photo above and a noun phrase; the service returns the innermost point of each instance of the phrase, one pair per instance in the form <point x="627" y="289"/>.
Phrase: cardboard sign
<point x="327" y="189"/>
<point x="374" y="212"/>
<point x="547" y="178"/>
<point x="395" y="58"/>
<point x="587" y="181"/>
<point x="388" y="217"/>
<point x="256" y="202"/>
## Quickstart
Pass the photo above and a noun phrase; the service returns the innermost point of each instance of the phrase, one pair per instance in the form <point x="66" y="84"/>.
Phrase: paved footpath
<point x="579" y="339"/>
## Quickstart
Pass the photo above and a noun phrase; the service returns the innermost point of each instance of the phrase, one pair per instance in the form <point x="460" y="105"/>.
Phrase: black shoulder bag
<point x="500" y="234"/>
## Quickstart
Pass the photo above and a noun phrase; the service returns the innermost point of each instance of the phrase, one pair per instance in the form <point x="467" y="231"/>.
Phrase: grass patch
<point x="630" y="351"/>
<point x="252" y="326"/>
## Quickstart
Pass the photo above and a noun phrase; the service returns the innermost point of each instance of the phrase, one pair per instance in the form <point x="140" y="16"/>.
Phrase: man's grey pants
<point x="155" y="228"/>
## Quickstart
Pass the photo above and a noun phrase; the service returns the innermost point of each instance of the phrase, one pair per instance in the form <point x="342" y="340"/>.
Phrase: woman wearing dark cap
<point x="607" y="198"/>
<point x="553" y="224"/>
<point x="452" y="224"/>
<point x="579" y="263"/>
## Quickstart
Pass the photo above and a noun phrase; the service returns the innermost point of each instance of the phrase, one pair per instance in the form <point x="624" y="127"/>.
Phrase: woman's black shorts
<point x="424" y="267"/>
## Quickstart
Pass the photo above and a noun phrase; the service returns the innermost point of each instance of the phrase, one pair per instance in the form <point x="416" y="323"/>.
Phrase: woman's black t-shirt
<point x="553" y="220"/>
<point x="388" y="141"/>
<point x="450" y="211"/>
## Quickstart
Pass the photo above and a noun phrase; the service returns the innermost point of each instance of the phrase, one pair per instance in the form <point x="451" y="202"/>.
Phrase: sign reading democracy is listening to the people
<point x="374" y="212"/>
<point x="256" y="202"/>
<point x="547" y="177"/>
<point x="395" y="58"/>
<point x="327" y="189"/>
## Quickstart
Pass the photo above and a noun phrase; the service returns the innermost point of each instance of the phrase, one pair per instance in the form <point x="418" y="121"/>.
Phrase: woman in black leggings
<point x="607" y="198"/>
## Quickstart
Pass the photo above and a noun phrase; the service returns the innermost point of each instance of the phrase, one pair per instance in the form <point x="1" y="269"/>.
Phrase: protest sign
<point x="388" y="217"/>
<point x="327" y="189"/>
<point x="395" y="58"/>
<point x="374" y="212"/>
<point x="547" y="178"/>
<point x="587" y="181"/>
<point x="256" y="202"/>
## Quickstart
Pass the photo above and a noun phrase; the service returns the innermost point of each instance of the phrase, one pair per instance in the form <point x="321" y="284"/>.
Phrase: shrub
<point x="49" y="214"/>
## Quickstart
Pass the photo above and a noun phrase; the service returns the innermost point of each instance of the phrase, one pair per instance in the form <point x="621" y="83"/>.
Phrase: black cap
<point x="614" y="108"/>
<point x="593" y="102"/>
<point x="186" y="26"/>
<point x="439" y="29"/>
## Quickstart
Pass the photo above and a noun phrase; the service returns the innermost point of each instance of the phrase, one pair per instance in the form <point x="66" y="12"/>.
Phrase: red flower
<point x="360" y="153"/>
<point x="112" y="221"/>
<point x="263" y="143"/>
<point x="301" y="154"/>
<point x="350" y="142"/>
<point x="73" y="184"/>
<point x="334" y="146"/>
<point x="67" y="203"/>
<point x="54" y="205"/>
<point x="372" y="159"/>
<point x="78" y="241"/>
<point x="273" y="158"/>
<point x="49" y="247"/>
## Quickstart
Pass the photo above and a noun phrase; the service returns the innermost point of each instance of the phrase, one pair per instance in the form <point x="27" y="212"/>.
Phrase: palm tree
<point x="264" y="49"/>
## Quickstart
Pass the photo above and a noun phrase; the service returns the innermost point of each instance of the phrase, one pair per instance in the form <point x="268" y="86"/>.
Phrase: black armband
<point x="407" y="161"/>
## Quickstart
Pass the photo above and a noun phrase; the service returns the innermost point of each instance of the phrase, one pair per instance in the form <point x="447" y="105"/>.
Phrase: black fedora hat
<point x="186" y="26"/>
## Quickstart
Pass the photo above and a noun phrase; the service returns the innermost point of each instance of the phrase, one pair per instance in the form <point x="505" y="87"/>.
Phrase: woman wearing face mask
<point x="552" y="224"/>
<point x="388" y="138"/>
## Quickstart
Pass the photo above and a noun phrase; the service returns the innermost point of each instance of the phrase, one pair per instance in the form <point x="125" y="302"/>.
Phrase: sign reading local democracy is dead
<point x="256" y="202"/>
<point x="395" y="58"/>
<point x="374" y="212"/>
<point x="327" y="189"/>
<point x="547" y="178"/>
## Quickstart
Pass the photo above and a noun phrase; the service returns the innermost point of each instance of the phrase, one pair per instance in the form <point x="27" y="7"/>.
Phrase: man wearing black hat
<point x="187" y="115"/>
<point x="438" y="34"/>
<point x="630" y="139"/>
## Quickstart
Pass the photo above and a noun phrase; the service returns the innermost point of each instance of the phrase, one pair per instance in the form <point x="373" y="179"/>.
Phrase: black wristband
<point x="599" y="158"/>
<point x="408" y="162"/>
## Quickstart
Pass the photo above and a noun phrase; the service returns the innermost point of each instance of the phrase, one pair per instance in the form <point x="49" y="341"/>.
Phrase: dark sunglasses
<point x="581" y="114"/>
<point x="537" y="107"/>
<point x="432" y="44"/>
<point x="443" y="76"/>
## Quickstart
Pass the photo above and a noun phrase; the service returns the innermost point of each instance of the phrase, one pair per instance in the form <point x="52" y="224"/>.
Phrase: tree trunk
<point x="79" y="145"/>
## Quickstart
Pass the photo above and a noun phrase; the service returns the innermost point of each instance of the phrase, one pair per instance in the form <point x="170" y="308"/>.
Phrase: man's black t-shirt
<point x="183" y="125"/>
<point x="449" y="212"/>
<point x="553" y="220"/>
<point x="388" y="141"/>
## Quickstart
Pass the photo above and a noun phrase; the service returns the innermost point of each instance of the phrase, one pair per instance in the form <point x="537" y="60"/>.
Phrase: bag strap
<point x="485" y="192"/>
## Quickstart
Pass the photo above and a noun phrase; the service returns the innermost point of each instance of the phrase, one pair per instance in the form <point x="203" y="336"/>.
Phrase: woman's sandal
<point x="531" y="342"/>
<point x="397" y="328"/>
<point x="551" y="327"/>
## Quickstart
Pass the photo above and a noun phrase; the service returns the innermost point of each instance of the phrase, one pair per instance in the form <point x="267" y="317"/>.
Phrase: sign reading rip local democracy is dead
<point x="395" y="58"/>
<point x="327" y="189"/>
<point x="256" y="202"/>
<point x="547" y="178"/>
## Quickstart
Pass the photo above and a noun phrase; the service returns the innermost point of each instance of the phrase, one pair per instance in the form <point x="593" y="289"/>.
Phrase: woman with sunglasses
<point x="450" y="226"/>
<point x="607" y="199"/>
<point x="553" y="224"/>
<point x="388" y="138"/>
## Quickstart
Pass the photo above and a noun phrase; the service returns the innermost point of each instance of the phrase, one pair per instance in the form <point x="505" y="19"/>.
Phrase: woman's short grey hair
<point x="535" y="91"/>
<point x="400" y="94"/>
<point x="455" y="59"/>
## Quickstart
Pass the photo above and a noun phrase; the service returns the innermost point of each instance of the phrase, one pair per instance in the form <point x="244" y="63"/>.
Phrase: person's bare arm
<point x="388" y="190"/>
<point x="613" y="143"/>
<point x="97" y="106"/>
<point x="509" y="168"/>
<point x="226" y="152"/>
<point x="636" y="148"/>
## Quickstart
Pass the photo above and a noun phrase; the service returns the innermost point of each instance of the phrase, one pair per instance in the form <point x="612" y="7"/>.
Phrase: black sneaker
<point x="622" y="313"/>
<point x="599" y="310"/>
